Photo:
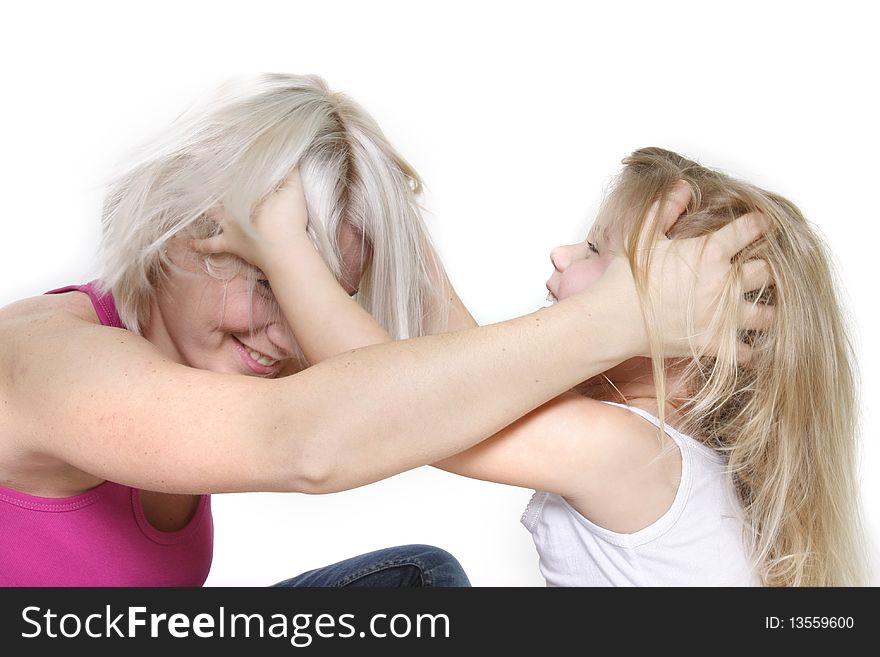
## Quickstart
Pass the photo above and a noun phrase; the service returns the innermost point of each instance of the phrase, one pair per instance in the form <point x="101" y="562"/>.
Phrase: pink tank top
<point x="100" y="537"/>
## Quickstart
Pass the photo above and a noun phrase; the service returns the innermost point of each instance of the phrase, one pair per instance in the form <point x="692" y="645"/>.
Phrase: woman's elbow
<point x="309" y="472"/>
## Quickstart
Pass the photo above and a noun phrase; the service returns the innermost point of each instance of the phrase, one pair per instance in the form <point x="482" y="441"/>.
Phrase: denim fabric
<point x="406" y="565"/>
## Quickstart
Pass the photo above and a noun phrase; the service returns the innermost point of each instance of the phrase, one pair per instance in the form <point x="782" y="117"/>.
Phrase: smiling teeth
<point x="551" y="297"/>
<point x="262" y="359"/>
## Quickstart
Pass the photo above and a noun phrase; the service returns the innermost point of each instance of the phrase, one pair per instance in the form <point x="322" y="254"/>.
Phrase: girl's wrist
<point x="290" y="256"/>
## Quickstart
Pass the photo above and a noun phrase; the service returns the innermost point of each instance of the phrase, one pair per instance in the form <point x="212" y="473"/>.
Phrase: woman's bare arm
<point x="108" y="403"/>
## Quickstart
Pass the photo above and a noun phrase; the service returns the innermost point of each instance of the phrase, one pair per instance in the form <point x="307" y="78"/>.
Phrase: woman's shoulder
<point x="24" y="325"/>
<point x="67" y="306"/>
<point x="29" y="326"/>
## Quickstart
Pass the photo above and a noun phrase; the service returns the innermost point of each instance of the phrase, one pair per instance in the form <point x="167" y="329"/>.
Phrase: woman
<point x="124" y="401"/>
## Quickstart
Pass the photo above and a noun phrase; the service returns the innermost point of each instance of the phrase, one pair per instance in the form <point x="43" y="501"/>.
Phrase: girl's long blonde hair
<point x="237" y="146"/>
<point x="787" y="421"/>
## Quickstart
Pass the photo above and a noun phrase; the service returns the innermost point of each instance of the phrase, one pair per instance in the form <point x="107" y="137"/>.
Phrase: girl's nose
<point x="561" y="257"/>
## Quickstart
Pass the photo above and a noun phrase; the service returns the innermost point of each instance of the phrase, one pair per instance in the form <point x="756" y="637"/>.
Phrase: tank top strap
<point x="653" y="419"/>
<point x="102" y="301"/>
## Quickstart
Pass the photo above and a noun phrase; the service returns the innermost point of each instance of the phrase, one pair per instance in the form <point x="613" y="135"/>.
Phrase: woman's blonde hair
<point x="237" y="146"/>
<point x="787" y="421"/>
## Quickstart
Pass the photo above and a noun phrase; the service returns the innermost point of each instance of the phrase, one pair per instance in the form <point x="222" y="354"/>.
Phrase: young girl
<point x="751" y="477"/>
<point x="733" y="466"/>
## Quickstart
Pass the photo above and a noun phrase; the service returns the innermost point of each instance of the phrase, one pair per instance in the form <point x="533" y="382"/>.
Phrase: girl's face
<point x="212" y="324"/>
<point x="576" y="267"/>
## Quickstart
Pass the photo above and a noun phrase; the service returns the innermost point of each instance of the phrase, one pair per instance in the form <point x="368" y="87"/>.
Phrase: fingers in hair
<point x="756" y="275"/>
<point x="739" y="233"/>
<point x="677" y="201"/>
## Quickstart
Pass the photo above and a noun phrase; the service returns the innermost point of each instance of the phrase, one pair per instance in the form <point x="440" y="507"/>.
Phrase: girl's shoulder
<point x="635" y="468"/>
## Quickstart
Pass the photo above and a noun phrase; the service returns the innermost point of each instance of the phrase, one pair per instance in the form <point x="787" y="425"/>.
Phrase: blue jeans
<point x="406" y="565"/>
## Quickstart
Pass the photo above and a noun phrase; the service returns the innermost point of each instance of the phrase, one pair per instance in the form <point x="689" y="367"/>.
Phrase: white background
<point x="515" y="114"/>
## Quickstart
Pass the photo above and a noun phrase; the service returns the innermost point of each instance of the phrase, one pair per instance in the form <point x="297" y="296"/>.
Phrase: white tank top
<point x="697" y="542"/>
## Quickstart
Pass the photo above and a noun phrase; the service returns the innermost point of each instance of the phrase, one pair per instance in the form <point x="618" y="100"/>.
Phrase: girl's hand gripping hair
<point x="279" y="224"/>
<point x="325" y="320"/>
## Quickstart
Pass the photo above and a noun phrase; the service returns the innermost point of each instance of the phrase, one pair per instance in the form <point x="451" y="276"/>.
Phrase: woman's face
<point x="215" y="325"/>
<point x="576" y="267"/>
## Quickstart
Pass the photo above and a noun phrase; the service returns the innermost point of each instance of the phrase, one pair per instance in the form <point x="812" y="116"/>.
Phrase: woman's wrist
<point x="616" y="296"/>
<point x="606" y="324"/>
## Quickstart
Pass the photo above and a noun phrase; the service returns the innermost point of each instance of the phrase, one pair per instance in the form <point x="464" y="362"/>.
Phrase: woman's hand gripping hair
<point x="686" y="278"/>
